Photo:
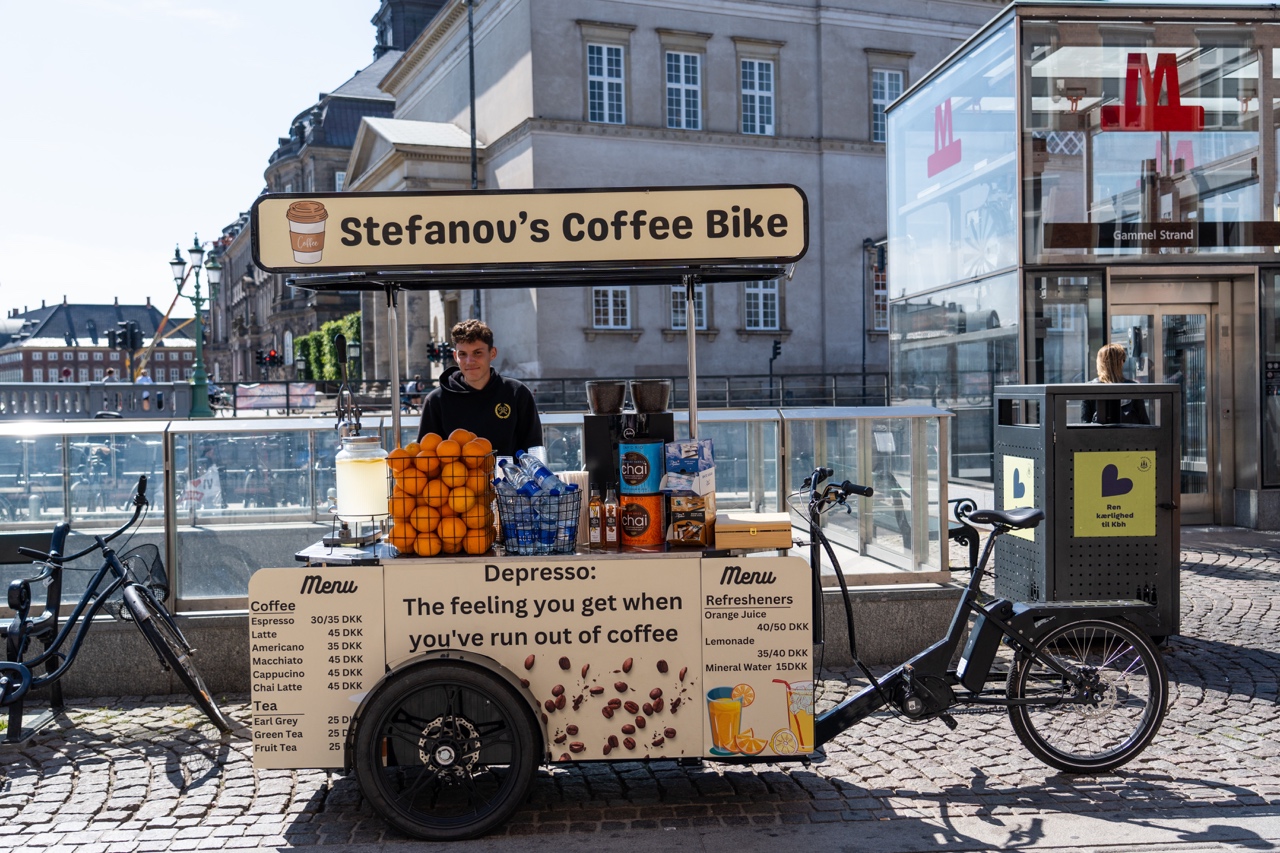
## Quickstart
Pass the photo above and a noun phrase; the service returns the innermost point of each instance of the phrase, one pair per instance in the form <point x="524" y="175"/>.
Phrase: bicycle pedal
<point x="949" y="720"/>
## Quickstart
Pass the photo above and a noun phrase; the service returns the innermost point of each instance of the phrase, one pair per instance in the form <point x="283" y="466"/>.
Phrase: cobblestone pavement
<point x="142" y="774"/>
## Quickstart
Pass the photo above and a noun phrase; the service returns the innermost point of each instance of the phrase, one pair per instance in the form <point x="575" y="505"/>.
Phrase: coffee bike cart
<point x="444" y="682"/>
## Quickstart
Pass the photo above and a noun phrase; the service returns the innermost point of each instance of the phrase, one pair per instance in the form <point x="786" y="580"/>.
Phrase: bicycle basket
<point x="542" y="524"/>
<point x="144" y="565"/>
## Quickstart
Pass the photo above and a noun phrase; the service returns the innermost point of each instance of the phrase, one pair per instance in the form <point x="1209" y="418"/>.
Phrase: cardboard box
<point x="742" y="529"/>
<point x="700" y="483"/>
<point x="691" y="520"/>
<point x="689" y="456"/>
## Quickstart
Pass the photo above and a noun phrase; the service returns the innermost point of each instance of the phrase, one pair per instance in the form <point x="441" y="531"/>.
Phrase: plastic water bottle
<point x="539" y="473"/>
<point x="522" y="482"/>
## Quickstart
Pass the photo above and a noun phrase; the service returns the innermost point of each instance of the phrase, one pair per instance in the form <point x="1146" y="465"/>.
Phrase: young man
<point x="473" y="396"/>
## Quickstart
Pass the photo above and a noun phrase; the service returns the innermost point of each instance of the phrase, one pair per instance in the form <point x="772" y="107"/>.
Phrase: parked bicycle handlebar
<point x="139" y="501"/>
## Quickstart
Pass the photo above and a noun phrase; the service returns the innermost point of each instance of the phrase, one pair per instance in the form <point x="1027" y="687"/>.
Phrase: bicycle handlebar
<point x="851" y="488"/>
<point x="139" y="501"/>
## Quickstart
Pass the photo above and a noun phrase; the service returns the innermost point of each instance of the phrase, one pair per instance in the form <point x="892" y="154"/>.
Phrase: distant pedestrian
<point x="110" y="375"/>
<point x="144" y="378"/>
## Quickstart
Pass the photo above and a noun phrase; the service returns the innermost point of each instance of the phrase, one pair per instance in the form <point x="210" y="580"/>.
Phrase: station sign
<point x="340" y="232"/>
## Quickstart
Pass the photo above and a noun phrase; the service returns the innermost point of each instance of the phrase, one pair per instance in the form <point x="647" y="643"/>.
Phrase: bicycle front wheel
<point x="1106" y="719"/>
<point x="157" y="626"/>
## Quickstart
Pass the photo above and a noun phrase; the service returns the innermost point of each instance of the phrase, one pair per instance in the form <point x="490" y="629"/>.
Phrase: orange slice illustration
<point x="746" y="692"/>
<point x="784" y="742"/>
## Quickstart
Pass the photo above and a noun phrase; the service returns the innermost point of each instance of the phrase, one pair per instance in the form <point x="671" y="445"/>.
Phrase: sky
<point x="129" y="126"/>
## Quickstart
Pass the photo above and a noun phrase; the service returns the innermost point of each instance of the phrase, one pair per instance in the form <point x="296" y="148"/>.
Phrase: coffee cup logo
<point x="306" y="230"/>
<point x="635" y="520"/>
<point x="634" y="468"/>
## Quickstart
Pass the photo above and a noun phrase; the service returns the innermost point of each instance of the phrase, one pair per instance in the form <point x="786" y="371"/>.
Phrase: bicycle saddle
<point x="1028" y="516"/>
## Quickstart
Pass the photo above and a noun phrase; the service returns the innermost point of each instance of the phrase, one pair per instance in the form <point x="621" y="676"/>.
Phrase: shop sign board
<point x="331" y="232"/>
<point x="1115" y="493"/>
<point x="623" y="658"/>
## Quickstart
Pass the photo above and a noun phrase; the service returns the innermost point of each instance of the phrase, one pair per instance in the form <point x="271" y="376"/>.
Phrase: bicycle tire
<point x="1122" y="718"/>
<point x="155" y="623"/>
<point x="445" y="752"/>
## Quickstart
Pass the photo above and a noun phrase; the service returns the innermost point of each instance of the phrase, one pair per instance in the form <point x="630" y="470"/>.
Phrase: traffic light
<point x="777" y="349"/>
<point x="260" y="358"/>
<point x="113" y="339"/>
<point x="135" y="336"/>
<point x="274" y="359"/>
<point x="122" y="335"/>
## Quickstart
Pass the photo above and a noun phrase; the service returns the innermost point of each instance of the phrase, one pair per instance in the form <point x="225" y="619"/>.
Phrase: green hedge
<point x="319" y="352"/>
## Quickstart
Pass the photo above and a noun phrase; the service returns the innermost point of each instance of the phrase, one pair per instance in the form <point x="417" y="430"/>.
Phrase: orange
<point x="461" y="499"/>
<point x="477" y="541"/>
<point x="427" y="462"/>
<point x="477" y="516"/>
<point x="399" y="459"/>
<point x="454" y="474"/>
<point x="451" y="532"/>
<point x="478" y="482"/>
<point x="412" y="481"/>
<point x="435" y="493"/>
<point x="427" y="545"/>
<point x="462" y="436"/>
<point x="412" y="448"/>
<point x="402" y="536"/>
<point x="401" y="504"/>
<point x="425" y="518"/>
<point x="746" y="692"/>
<point x="448" y="450"/>
<point x="474" y="452"/>
<point x="429" y="441"/>
<point x="447" y="511"/>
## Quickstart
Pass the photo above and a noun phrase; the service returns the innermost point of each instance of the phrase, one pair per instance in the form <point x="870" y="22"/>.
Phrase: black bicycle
<point x="138" y="574"/>
<point x="1085" y="689"/>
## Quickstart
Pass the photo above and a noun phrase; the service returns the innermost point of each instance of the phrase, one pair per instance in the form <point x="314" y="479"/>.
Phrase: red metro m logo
<point x="946" y="148"/>
<point x="1151" y="115"/>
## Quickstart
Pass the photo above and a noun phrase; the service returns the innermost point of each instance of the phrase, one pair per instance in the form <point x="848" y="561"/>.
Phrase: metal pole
<point x="392" y="321"/>
<point x="475" y="180"/>
<point x="692" y="338"/>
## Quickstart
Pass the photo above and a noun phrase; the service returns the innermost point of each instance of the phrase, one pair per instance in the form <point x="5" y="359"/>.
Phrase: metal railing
<point x="62" y="400"/>
<point x="230" y="497"/>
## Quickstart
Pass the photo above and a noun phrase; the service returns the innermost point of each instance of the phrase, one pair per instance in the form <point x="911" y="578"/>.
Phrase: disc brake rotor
<point x="450" y="745"/>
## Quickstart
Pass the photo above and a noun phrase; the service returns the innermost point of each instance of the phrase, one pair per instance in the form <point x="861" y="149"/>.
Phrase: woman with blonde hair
<point x="1111" y="359"/>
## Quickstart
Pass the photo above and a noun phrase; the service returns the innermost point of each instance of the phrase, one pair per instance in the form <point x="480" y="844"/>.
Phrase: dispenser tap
<point x="346" y="409"/>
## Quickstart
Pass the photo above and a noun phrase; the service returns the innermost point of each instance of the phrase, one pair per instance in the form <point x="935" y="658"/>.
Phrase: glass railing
<point x="230" y="497"/>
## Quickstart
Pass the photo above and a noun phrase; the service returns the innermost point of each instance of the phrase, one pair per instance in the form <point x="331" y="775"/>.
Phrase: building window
<point x="175" y="374"/>
<point x="605" y="102"/>
<point x="82" y="356"/>
<point x="339" y="181"/>
<point x="159" y="356"/>
<point x="684" y="90"/>
<point x="37" y="356"/>
<point x="97" y="374"/>
<point x="288" y="187"/>
<point x="611" y="308"/>
<point x="99" y="356"/>
<point x="115" y="356"/>
<point x="757" y="97"/>
<point x="761" y="300"/>
<point x="37" y="374"/>
<point x="886" y="87"/>
<point x="186" y="356"/>
<point x="68" y="356"/>
<point x="879" y="289"/>
<point x="680" y="306"/>
<point x="83" y="374"/>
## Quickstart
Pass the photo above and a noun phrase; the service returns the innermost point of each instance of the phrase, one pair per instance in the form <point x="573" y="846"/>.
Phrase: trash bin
<point x="1109" y="491"/>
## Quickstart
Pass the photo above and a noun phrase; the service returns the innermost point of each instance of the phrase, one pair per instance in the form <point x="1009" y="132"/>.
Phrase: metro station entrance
<point x="1169" y="329"/>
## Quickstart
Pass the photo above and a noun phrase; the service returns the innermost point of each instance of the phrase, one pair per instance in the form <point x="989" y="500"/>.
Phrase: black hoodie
<point x="502" y="411"/>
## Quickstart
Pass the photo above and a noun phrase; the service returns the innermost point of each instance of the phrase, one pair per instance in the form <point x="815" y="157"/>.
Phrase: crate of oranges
<point x="442" y="502"/>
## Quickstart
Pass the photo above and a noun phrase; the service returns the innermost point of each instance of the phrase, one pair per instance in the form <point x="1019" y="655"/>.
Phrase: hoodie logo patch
<point x="502" y="410"/>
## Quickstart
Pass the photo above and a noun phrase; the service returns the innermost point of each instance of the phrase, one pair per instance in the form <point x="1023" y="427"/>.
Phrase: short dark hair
<point x="470" y="331"/>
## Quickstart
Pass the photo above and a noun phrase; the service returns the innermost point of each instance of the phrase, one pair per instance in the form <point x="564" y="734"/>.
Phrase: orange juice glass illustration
<point x="725" y="713"/>
<point x="800" y="711"/>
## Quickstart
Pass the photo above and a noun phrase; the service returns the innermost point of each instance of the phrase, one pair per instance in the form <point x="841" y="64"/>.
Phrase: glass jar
<point x="362" y="478"/>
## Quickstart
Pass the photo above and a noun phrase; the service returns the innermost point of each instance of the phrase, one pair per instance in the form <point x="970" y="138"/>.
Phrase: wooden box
<point x="742" y="529"/>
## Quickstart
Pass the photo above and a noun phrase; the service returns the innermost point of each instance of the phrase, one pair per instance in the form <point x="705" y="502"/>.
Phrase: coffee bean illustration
<point x="662" y="666"/>
<point x="629" y="743"/>
<point x="577" y="746"/>
<point x="571" y="729"/>
<point x="557" y="690"/>
<point x="632" y="707"/>
<point x="626" y="665"/>
<point x="564" y="663"/>
<point x="655" y="693"/>
<point x="528" y="662"/>
<point x="620" y="686"/>
<point x="628" y="729"/>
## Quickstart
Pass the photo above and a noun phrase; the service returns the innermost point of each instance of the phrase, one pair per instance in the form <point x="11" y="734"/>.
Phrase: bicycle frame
<point x="1020" y="622"/>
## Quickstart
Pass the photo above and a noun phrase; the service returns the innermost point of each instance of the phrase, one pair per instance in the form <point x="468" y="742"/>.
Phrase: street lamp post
<point x="181" y="269"/>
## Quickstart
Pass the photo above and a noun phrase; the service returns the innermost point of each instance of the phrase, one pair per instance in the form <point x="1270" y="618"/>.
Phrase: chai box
<point x="691" y="520"/>
<point x="742" y="529"/>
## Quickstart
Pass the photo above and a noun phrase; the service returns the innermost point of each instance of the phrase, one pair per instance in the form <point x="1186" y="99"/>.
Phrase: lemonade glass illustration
<point x="725" y="713"/>
<point x="800" y="711"/>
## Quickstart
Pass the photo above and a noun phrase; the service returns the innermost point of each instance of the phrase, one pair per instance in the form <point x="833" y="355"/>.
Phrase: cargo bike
<point x="444" y="682"/>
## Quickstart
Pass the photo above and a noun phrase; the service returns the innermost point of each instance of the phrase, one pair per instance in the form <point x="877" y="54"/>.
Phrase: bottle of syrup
<point x="595" y="518"/>
<point x="612" y="540"/>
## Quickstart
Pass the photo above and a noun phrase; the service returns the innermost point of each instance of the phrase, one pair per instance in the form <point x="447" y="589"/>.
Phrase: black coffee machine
<point x="601" y="435"/>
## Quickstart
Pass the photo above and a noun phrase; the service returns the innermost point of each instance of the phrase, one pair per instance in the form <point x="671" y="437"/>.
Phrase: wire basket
<point x="542" y="524"/>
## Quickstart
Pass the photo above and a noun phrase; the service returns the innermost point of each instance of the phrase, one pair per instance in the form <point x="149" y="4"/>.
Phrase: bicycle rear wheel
<point x="157" y="626"/>
<point x="1103" y="723"/>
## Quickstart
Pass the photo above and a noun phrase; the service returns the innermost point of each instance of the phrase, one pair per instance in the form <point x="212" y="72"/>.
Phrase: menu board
<point x="757" y="656"/>
<point x="315" y="649"/>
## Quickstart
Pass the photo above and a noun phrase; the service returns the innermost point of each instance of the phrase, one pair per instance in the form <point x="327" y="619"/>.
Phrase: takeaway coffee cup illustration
<point x="306" y="230"/>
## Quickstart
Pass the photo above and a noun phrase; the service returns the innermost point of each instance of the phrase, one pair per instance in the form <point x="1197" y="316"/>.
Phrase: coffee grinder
<point x="609" y="425"/>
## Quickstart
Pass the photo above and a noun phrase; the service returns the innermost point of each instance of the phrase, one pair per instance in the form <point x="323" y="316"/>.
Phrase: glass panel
<point x="1065" y="312"/>
<point x="1127" y="132"/>
<point x="1271" y="380"/>
<point x="1185" y="364"/>
<point x="952" y="171"/>
<point x="949" y="349"/>
<point x="1134" y="333"/>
